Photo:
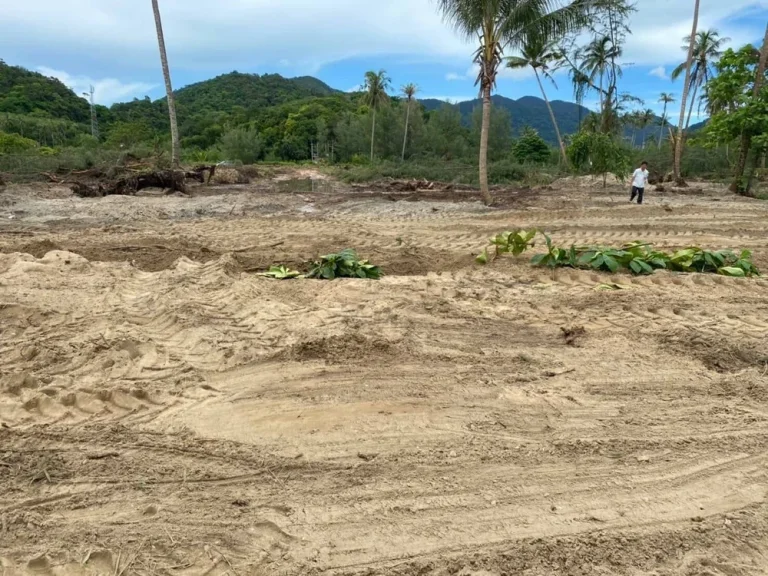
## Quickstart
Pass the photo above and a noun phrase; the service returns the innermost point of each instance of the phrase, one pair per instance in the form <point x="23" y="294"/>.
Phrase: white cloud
<point x="452" y="77"/>
<point x="106" y="90"/>
<point x="659" y="72"/>
<point x="240" y="34"/>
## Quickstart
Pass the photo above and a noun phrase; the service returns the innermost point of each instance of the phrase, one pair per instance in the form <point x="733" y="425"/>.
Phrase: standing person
<point x="639" y="181"/>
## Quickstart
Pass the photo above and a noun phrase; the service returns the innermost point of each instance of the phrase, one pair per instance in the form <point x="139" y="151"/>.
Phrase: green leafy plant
<point x="281" y="273"/>
<point x="637" y="257"/>
<point x="345" y="264"/>
<point x="515" y="242"/>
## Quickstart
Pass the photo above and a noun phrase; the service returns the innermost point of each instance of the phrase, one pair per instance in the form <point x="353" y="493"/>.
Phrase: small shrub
<point x="15" y="144"/>
<point x="345" y="264"/>
<point x="281" y="273"/>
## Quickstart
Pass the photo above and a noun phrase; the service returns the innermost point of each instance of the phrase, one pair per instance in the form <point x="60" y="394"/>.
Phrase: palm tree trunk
<point x="175" y="143"/>
<point x="602" y="111"/>
<point x="693" y="101"/>
<point x="686" y="87"/>
<point x="373" y="131"/>
<point x="663" y="120"/>
<point x="554" y="121"/>
<point x="746" y="137"/>
<point x="407" y="118"/>
<point x="486" y="126"/>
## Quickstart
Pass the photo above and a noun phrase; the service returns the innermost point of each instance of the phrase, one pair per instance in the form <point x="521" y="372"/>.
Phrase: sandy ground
<point x="163" y="410"/>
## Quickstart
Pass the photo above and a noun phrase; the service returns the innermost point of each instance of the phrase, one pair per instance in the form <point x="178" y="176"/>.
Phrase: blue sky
<point x="111" y="43"/>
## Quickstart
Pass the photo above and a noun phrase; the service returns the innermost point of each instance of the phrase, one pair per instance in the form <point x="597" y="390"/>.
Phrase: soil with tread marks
<point x="164" y="410"/>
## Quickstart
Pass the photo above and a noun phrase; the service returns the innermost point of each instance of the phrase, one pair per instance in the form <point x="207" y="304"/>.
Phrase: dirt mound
<point x="716" y="352"/>
<point x="224" y="175"/>
<point x="342" y="349"/>
<point x="38" y="248"/>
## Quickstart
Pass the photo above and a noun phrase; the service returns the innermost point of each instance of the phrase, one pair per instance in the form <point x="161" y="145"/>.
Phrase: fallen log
<point x="169" y="180"/>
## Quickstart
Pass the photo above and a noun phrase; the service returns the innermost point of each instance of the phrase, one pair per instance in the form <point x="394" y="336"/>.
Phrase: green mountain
<point x="249" y="91"/>
<point x="531" y="111"/>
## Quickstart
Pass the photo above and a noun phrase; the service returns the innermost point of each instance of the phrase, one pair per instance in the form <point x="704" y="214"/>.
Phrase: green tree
<point x="666" y="99"/>
<point x="446" y="136"/>
<point x="738" y="98"/>
<point x="599" y="154"/>
<point x="539" y="54"/>
<point x="686" y="87"/>
<point x="500" y="24"/>
<point x="242" y="144"/>
<point x="15" y="144"/>
<point x="645" y="119"/>
<point x="409" y="91"/>
<point x="499" y="132"/>
<point x="707" y="49"/>
<point x="128" y="134"/>
<point x="531" y="147"/>
<point x="376" y="86"/>
<point x="175" y="142"/>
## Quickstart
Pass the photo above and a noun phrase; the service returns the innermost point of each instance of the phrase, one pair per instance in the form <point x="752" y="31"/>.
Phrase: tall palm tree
<point x="596" y="59"/>
<point x="175" y="142"/>
<point x="667" y="99"/>
<point x="686" y="88"/>
<point x="498" y="25"/>
<point x="645" y="119"/>
<point x="376" y="85"/>
<point x="409" y="91"/>
<point x="706" y="51"/>
<point x="539" y="53"/>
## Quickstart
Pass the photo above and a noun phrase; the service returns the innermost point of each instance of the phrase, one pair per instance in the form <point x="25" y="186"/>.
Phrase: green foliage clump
<point x="636" y="257"/>
<point x="599" y="154"/>
<point x="242" y="144"/>
<point x="531" y="147"/>
<point x="345" y="264"/>
<point x="15" y="144"/>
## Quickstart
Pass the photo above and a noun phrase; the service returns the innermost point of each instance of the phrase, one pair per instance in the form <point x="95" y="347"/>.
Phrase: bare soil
<point x="165" y="410"/>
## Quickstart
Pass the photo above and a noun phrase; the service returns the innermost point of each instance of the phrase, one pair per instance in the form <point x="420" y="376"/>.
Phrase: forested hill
<point x="250" y="91"/>
<point x="271" y="117"/>
<point x="25" y="92"/>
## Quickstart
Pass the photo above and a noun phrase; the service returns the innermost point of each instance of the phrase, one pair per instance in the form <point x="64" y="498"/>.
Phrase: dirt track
<point x="166" y="411"/>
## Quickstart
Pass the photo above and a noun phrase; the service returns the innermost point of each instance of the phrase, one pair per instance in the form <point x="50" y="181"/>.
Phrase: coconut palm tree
<point x="175" y="142"/>
<point x="376" y="85"/>
<point x="667" y="99"/>
<point x="539" y="54"/>
<point x="706" y="51"/>
<point x="409" y="91"/>
<point x="498" y="25"/>
<point x="686" y="88"/>
<point x="645" y="119"/>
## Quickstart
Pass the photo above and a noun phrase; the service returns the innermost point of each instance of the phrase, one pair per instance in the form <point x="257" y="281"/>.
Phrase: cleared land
<point x="163" y="410"/>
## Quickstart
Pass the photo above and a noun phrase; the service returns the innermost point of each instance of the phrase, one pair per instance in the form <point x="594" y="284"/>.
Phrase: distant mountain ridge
<point x="531" y="111"/>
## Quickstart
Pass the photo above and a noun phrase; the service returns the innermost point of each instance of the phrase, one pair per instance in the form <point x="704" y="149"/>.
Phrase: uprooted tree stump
<point x="169" y="180"/>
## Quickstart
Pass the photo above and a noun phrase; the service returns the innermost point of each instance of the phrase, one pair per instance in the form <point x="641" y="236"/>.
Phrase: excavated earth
<point x="165" y="410"/>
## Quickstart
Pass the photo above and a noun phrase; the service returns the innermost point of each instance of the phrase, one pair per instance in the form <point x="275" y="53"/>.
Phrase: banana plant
<point x="281" y="273"/>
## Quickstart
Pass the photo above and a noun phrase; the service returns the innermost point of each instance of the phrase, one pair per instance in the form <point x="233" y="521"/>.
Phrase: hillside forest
<point x="386" y="130"/>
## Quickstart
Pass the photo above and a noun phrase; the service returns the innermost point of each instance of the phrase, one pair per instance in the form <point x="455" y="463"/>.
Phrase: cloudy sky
<point x="112" y="45"/>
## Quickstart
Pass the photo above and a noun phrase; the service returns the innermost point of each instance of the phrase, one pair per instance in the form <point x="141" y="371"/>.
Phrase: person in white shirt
<point x="639" y="181"/>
